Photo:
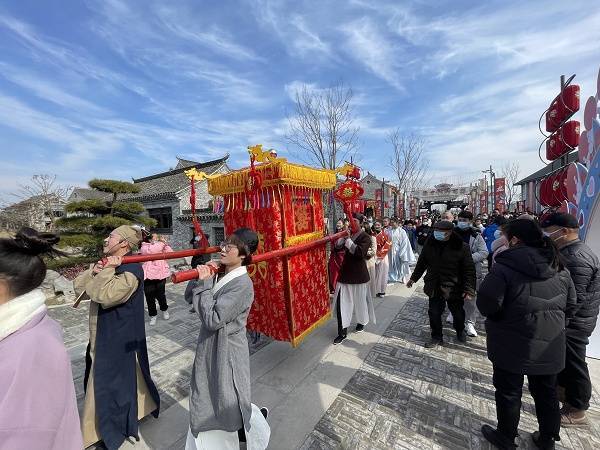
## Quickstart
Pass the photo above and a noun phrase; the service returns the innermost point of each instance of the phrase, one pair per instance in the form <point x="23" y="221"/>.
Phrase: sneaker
<point x="381" y="295"/>
<point x="192" y="310"/>
<point x="497" y="439"/>
<point x="360" y="328"/>
<point x="461" y="337"/>
<point x="470" y="329"/>
<point x="166" y="315"/>
<point x="571" y="417"/>
<point x="264" y="411"/>
<point x="449" y="318"/>
<point x="339" y="339"/>
<point x="153" y="320"/>
<point x="543" y="443"/>
<point x="434" y="343"/>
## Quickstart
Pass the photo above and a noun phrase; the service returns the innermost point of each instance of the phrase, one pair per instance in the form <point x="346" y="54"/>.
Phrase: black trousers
<point x="341" y="331"/>
<point x="575" y="378"/>
<point x="509" y="388"/>
<point x="155" y="290"/>
<point x="436" y="309"/>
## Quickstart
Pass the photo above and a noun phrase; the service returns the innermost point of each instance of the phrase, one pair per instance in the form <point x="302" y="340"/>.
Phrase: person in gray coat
<point x="479" y="252"/>
<point x="220" y="386"/>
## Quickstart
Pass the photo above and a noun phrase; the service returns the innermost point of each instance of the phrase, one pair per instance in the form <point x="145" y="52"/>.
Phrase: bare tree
<point x="322" y="126"/>
<point x="42" y="199"/>
<point x="511" y="172"/>
<point x="408" y="161"/>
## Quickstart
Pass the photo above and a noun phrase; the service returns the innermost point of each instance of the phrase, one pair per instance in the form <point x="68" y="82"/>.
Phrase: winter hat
<point x="443" y="225"/>
<point x="130" y="234"/>
<point x="562" y="220"/>
<point x="248" y="237"/>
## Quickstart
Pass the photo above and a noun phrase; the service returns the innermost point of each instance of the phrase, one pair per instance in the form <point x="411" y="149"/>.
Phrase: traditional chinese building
<point x="166" y="198"/>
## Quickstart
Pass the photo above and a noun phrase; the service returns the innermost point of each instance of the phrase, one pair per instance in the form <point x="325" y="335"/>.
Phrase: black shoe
<point x="360" y="328"/>
<point x="546" y="443"/>
<point x="461" y="337"/>
<point x="497" y="439"/>
<point x="192" y="311"/>
<point x="264" y="411"/>
<point x="381" y="295"/>
<point x="433" y="343"/>
<point x="339" y="339"/>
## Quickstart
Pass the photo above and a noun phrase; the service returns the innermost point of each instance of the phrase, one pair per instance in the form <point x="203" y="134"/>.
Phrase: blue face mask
<point x="439" y="235"/>
<point x="497" y="234"/>
<point x="463" y="225"/>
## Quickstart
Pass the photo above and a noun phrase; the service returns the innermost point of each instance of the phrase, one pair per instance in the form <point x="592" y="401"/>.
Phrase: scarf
<point x="235" y="273"/>
<point x="20" y="310"/>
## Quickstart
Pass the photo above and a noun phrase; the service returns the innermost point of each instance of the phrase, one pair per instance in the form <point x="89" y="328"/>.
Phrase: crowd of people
<point x="531" y="278"/>
<point x="540" y="300"/>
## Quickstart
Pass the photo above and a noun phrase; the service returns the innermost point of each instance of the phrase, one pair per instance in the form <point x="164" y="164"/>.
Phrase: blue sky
<point x="113" y="88"/>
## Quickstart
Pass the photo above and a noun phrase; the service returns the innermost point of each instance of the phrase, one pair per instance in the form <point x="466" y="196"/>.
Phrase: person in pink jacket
<point x="155" y="276"/>
<point x="38" y="408"/>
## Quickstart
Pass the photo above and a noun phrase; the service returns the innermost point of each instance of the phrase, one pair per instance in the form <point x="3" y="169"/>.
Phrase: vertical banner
<point x="413" y="208"/>
<point x="378" y="210"/>
<point x="401" y="208"/>
<point x="500" y="194"/>
<point x="483" y="204"/>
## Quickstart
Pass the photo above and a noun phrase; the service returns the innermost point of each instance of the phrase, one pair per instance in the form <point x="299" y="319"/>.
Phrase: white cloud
<point x="367" y="45"/>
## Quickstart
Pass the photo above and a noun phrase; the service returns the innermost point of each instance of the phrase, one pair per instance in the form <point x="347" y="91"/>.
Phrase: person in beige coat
<point x="119" y="389"/>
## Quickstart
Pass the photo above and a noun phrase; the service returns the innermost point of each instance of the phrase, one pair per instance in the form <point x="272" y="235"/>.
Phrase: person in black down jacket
<point x="526" y="297"/>
<point x="450" y="279"/>
<point x="575" y="386"/>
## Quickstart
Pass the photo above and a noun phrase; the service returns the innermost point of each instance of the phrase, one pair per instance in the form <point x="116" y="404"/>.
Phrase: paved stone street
<point x="378" y="390"/>
<point x="404" y="396"/>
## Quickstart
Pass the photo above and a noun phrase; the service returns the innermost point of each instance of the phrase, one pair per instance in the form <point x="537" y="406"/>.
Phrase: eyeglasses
<point x="226" y="247"/>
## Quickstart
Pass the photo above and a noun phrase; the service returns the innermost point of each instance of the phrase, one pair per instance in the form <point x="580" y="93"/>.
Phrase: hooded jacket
<point x="478" y="248"/>
<point x="583" y="266"/>
<point x="450" y="268"/>
<point x="527" y="303"/>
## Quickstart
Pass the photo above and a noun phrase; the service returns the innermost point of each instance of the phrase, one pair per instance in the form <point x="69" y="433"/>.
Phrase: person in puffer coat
<point x="527" y="297"/>
<point x="575" y="386"/>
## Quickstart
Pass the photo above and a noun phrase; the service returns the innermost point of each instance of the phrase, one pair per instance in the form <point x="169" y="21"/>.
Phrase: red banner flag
<point x="500" y="194"/>
<point x="483" y="204"/>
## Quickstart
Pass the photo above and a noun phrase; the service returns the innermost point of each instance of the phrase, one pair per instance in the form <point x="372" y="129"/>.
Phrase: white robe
<point x="355" y="298"/>
<point x="382" y="270"/>
<point x="371" y="268"/>
<point x="400" y="256"/>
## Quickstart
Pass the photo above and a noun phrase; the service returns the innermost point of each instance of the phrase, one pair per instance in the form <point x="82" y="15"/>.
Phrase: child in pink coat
<point x="155" y="276"/>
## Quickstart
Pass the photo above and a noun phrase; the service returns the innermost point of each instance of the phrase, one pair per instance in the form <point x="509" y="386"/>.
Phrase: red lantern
<point x="569" y="134"/>
<point x="554" y="147"/>
<point x="562" y="107"/>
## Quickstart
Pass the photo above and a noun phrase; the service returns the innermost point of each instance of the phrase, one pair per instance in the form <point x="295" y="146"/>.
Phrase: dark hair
<point x="21" y="265"/>
<point x="500" y="220"/>
<point x="367" y="229"/>
<point x="464" y="214"/>
<point x="243" y="249"/>
<point x="530" y="233"/>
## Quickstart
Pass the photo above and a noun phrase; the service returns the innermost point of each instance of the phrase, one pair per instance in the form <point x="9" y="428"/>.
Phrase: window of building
<point x="218" y="235"/>
<point x="164" y="219"/>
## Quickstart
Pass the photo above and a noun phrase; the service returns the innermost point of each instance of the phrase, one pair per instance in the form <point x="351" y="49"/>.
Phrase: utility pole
<point x="492" y="190"/>
<point x="383" y="197"/>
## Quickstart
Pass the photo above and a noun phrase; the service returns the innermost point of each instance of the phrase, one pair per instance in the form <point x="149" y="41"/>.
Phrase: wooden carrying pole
<point x="187" y="275"/>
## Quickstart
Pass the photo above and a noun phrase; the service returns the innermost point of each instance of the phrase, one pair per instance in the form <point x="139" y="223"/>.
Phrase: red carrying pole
<point x="187" y="275"/>
<point x="169" y="255"/>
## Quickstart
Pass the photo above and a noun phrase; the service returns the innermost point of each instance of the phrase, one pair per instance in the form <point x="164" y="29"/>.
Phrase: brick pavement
<point x="407" y="397"/>
<point x="171" y="345"/>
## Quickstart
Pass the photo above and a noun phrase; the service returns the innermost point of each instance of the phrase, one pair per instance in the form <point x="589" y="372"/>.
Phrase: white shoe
<point x="470" y="330"/>
<point x="153" y="320"/>
<point x="166" y="315"/>
<point x="449" y="319"/>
